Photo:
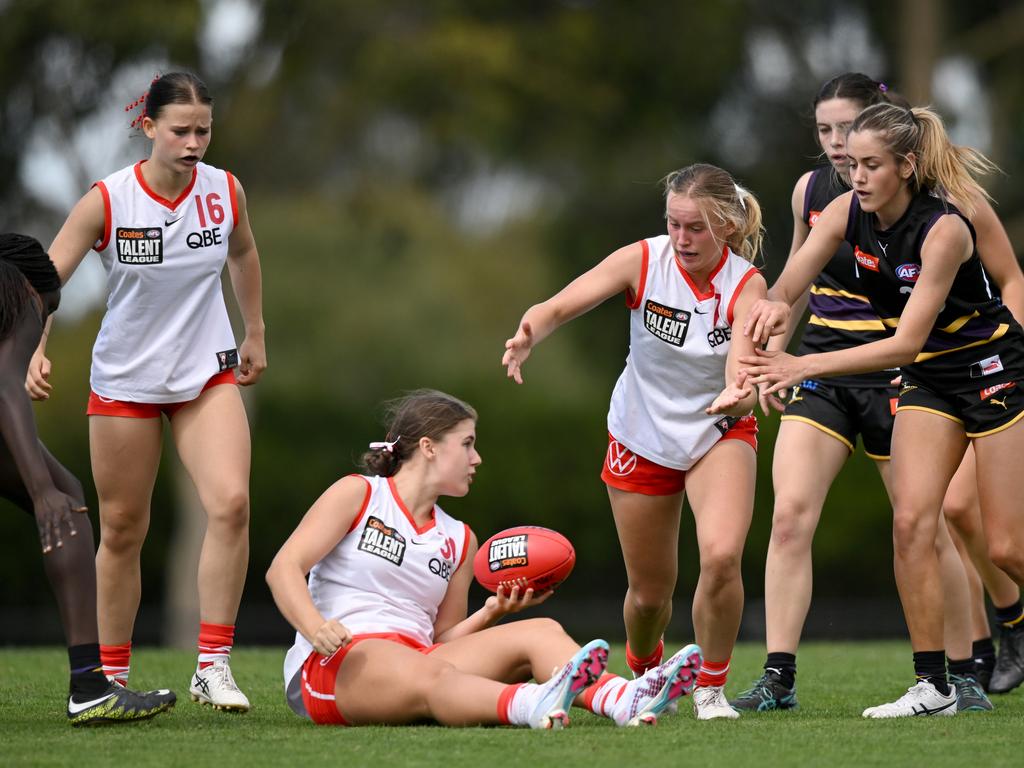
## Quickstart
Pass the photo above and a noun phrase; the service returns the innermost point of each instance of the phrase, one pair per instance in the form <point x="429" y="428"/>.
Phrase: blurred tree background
<point x="420" y="173"/>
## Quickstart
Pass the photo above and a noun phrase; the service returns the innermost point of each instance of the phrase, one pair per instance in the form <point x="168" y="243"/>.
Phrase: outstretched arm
<point x="247" y="283"/>
<point x="739" y="395"/>
<point x="945" y="248"/>
<point x="771" y="316"/>
<point x="617" y="273"/>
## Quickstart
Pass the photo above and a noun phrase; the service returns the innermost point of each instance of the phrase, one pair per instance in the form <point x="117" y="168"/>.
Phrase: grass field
<point x="837" y="681"/>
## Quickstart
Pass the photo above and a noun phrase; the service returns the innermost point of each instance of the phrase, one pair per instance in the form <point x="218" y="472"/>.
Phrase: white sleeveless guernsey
<point x="678" y="343"/>
<point x="385" y="575"/>
<point x="166" y="330"/>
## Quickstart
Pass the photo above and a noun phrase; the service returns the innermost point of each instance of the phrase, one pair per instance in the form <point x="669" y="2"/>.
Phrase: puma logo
<point x="998" y="402"/>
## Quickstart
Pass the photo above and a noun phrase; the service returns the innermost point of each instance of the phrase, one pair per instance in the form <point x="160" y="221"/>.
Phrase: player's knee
<point x="911" y="535"/>
<point x="719" y="567"/>
<point x="792" y="523"/>
<point x="1006" y="555"/>
<point x="650" y="601"/>
<point x="543" y="628"/>
<point x="122" y="531"/>
<point x="230" y="510"/>
<point x="959" y="511"/>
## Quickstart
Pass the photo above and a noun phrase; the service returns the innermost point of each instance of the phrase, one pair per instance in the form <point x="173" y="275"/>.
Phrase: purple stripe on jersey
<point x="973" y="331"/>
<point x="841" y="308"/>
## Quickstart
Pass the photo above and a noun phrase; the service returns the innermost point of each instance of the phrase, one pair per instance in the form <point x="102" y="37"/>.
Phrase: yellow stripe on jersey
<point x="844" y="294"/>
<point x="878" y="324"/>
<point x="959" y="323"/>
<point x="999" y="333"/>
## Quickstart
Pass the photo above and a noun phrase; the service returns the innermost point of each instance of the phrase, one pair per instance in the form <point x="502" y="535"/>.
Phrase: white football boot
<point x="216" y="686"/>
<point x="549" y="708"/>
<point x="652" y="693"/>
<point x="709" y="703"/>
<point x="921" y="699"/>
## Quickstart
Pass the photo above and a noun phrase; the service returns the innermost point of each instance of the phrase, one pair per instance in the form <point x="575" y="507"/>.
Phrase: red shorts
<point x="102" y="406"/>
<point x="629" y="471"/>
<point x="320" y="674"/>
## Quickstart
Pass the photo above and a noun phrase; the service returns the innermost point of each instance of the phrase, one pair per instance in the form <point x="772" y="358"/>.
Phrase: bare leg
<point x="921" y="439"/>
<point x="957" y="627"/>
<point x="652" y="563"/>
<point x="963" y="513"/>
<point x="721" y="489"/>
<point x="799" y="497"/>
<point x="1000" y="490"/>
<point x="125" y="455"/>
<point x="387" y="683"/>
<point x="212" y="437"/>
<point x="511" y="653"/>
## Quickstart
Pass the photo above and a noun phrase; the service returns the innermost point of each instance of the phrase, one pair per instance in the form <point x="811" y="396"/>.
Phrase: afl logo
<point x="908" y="272"/>
<point x="620" y="460"/>
<point x="153" y="233"/>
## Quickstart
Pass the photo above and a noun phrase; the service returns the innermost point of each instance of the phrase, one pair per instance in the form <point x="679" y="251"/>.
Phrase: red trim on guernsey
<point x="465" y="546"/>
<point x="233" y="196"/>
<point x="408" y="514"/>
<point x="363" y="506"/>
<point x="633" y="302"/>
<point x="736" y="293"/>
<point x="163" y="200"/>
<point x="693" y="286"/>
<point x="107" y="217"/>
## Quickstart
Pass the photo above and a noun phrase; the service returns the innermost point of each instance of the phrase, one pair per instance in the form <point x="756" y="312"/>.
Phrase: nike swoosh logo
<point x="74" y="708"/>
<point x="172" y="221"/>
<point x="699" y="311"/>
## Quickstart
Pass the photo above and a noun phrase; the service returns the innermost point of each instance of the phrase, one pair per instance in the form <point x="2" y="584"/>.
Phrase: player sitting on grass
<point x="35" y="481"/>
<point x="383" y="633"/>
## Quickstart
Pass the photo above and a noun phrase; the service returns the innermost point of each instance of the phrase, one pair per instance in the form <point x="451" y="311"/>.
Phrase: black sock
<point x="87" y="678"/>
<point x="785" y="665"/>
<point x="984" y="652"/>
<point x="960" y="667"/>
<point x="931" y="667"/>
<point x="1010" y="616"/>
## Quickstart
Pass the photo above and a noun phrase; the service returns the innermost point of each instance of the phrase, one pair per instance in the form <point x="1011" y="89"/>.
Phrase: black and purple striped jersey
<point x="975" y="341"/>
<point x="841" y="315"/>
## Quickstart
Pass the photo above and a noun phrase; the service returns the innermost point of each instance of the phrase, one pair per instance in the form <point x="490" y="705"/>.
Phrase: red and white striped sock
<point x="215" y="642"/>
<point x="116" y="661"/>
<point x="713" y="673"/>
<point x="601" y="697"/>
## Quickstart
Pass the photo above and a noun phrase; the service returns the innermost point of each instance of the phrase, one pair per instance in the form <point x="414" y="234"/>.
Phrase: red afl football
<point x="540" y="555"/>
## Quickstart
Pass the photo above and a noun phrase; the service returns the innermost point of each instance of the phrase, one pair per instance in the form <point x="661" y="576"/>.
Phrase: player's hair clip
<point x="384" y="445"/>
<point x="739" y="194"/>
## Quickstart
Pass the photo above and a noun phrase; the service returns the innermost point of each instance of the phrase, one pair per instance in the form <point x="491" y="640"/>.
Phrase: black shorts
<point x="844" y="412"/>
<point x="981" y="411"/>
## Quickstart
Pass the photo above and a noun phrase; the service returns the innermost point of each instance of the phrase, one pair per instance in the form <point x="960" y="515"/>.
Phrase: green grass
<point x="837" y="680"/>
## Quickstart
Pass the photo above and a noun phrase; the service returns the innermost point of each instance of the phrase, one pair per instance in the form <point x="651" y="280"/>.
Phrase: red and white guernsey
<point x="678" y="343"/>
<point x="166" y="330"/>
<point x="385" y="575"/>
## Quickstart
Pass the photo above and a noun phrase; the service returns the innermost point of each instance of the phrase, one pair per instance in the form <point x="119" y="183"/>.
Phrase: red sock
<point x="116" y="661"/>
<point x="215" y="641"/>
<point x="505" y="703"/>
<point x="600" y="702"/>
<point x="713" y="673"/>
<point x="638" y="665"/>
